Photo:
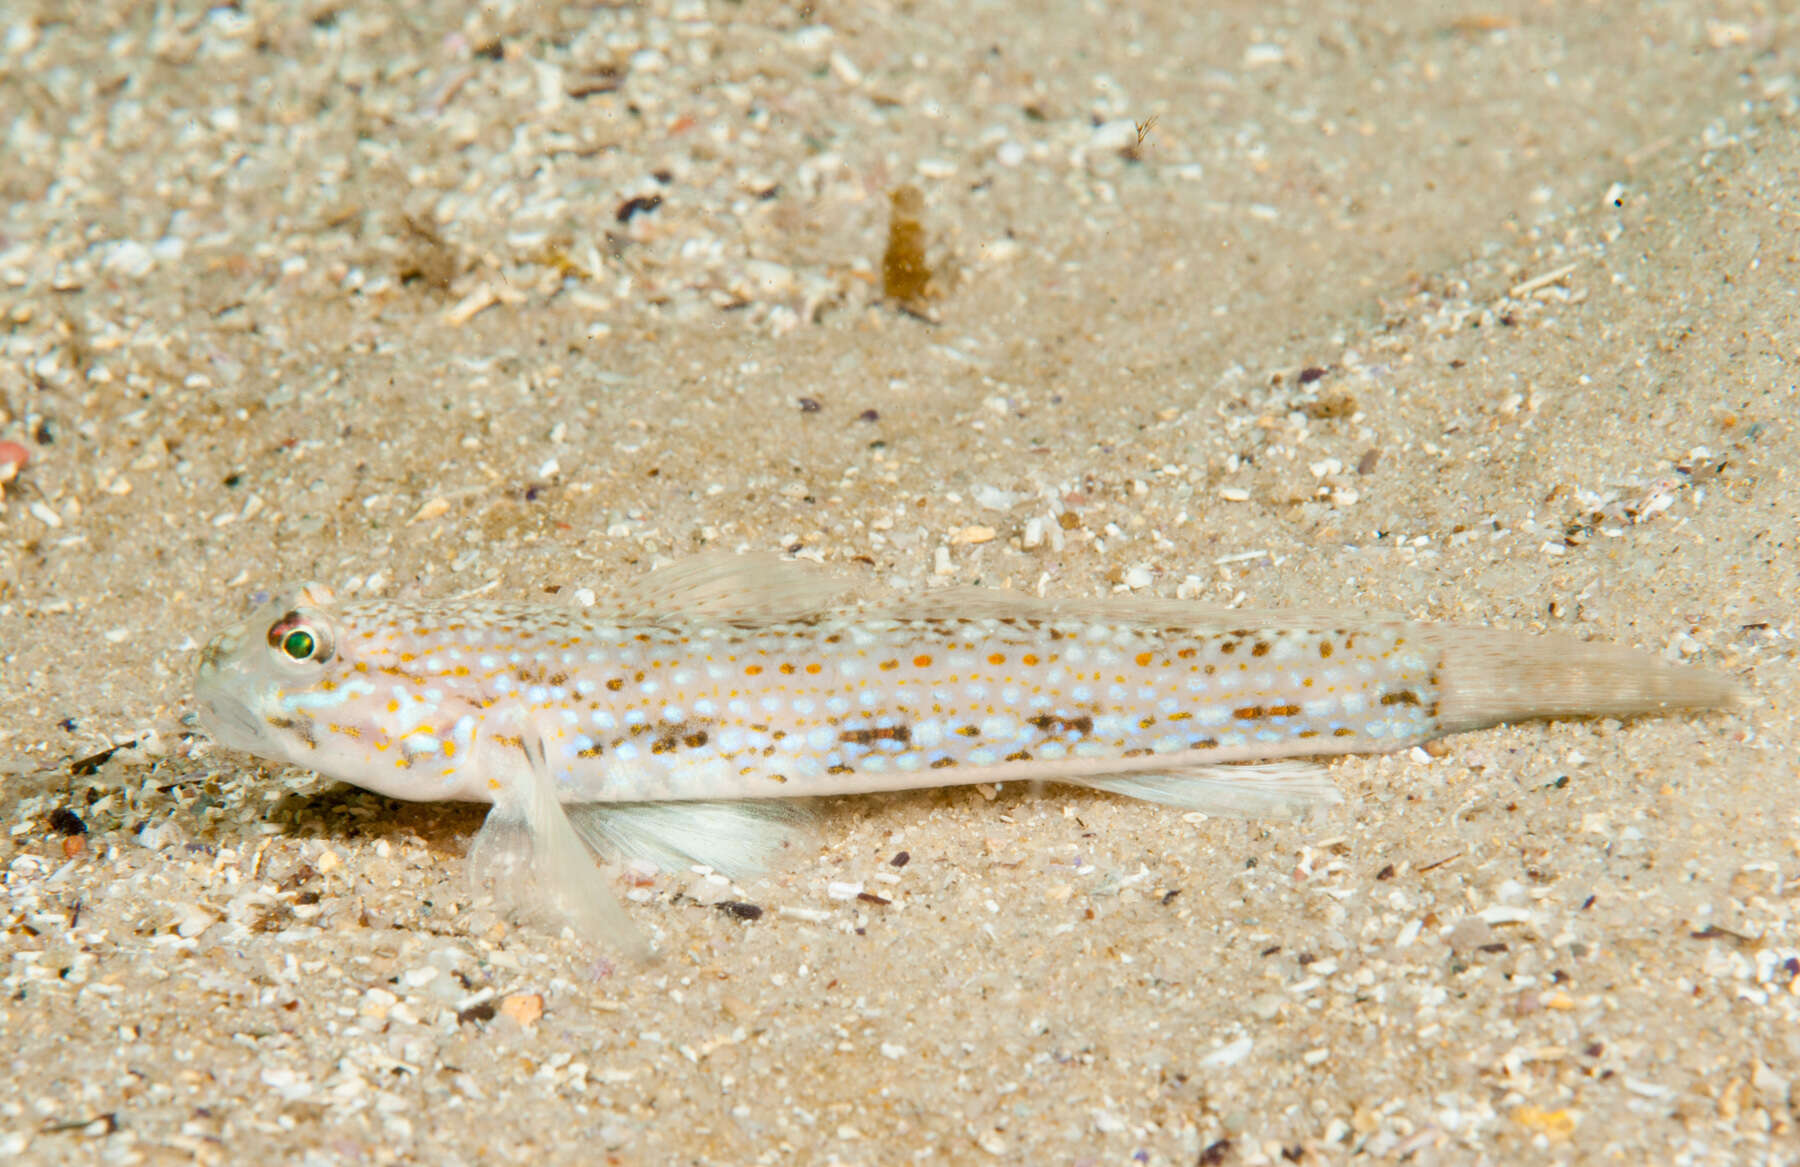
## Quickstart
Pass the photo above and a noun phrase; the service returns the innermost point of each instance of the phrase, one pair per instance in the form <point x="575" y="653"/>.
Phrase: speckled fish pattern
<point x="830" y="706"/>
<point x="735" y="702"/>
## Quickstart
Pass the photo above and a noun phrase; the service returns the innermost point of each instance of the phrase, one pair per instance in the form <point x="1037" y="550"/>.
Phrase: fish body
<point x="745" y="678"/>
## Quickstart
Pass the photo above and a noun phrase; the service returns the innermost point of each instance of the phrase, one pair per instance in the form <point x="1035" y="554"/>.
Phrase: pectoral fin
<point x="531" y="858"/>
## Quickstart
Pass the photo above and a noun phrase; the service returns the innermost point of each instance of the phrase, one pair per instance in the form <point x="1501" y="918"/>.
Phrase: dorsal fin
<point x="752" y="588"/>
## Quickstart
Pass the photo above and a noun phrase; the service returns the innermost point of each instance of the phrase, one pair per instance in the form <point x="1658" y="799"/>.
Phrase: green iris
<point x="299" y="644"/>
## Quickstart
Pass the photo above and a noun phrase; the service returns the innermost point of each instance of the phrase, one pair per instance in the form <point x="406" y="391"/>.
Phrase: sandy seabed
<point x="1482" y="315"/>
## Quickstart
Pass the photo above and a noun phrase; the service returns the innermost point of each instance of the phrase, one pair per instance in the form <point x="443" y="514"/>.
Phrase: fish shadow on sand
<point x="342" y="812"/>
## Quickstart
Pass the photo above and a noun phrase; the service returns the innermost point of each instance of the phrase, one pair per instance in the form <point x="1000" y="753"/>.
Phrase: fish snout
<point x="220" y="649"/>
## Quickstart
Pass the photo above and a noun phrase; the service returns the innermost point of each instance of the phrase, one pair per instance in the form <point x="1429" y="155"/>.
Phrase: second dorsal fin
<point x="752" y="588"/>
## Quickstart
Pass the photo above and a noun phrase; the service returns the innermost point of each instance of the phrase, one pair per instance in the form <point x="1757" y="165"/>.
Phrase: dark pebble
<point x="642" y="204"/>
<point x="66" y="822"/>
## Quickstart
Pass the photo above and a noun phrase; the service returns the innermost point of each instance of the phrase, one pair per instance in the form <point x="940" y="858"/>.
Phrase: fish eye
<point x="299" y="639"/>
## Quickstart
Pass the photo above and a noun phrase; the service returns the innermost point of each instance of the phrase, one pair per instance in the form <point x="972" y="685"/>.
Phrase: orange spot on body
<point x="997" y="658"/>
<point x="921" y="661"/>
<point x="1028" y="660"/>
<point x="753" y="670"/>
<point x="1143" y="660"/>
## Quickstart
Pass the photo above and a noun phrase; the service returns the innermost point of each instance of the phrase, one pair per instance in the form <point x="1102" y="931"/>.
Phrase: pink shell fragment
<point x="13" y="457"/>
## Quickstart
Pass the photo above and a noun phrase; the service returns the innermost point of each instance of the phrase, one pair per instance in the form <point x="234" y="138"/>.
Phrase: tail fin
<point x="1487" y="677"/>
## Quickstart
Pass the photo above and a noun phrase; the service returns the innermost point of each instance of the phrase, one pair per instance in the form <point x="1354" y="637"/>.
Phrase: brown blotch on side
<point x="1053" y="724"/>
<point x="1402" y="697"/>
<point x="868" y="737"/>
<point x="941" y="763"/>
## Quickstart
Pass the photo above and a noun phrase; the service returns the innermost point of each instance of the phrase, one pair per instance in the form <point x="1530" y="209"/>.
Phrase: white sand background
<point x="1480" y="313"/>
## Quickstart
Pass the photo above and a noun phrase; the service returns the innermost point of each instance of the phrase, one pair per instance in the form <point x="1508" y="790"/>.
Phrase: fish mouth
<point x="229" y="722"/>
<point x="224" y="694"/>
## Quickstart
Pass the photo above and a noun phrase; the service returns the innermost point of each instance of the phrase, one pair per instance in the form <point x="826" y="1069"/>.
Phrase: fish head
<point x="284" y="684"/>
<point x="251" y="672"/>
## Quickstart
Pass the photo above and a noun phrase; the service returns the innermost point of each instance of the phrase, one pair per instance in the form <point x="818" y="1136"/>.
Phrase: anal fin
<point x="735" y="839"/>
<point x="1237" y="790"/>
